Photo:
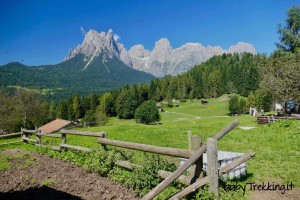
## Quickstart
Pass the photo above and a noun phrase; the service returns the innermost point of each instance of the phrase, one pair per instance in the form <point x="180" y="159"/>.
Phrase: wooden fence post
<point x="104" y="146"/>
<point x="23" y="135"/>
<point x="63" y="138"/>
<point x="38" y="139"/>
<point x="195" y="143"/>
<point x="212" y="166"/>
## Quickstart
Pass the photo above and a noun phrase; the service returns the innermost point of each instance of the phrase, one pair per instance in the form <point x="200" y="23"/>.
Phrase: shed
<point x="54" y="126"/>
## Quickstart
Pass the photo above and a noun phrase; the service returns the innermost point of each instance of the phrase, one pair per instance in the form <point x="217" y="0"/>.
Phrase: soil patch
<point x="276" y="195"/>
<point x="50" y="178"/>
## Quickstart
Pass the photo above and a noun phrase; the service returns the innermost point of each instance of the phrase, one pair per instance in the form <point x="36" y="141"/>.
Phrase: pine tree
<point x="52" y="110"/>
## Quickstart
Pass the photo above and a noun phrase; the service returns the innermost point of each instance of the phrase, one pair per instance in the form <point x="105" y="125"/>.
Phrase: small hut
<point x="54" y="126"/>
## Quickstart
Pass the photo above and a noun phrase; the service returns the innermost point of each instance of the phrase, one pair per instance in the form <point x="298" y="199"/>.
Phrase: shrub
<point x="242" y="107"/>
<point x="263" y="100"/>
<point x="233" y="104"/>
<point x="147" y="113"/>
<point x="89" y="118"/>
<point x="100" y="116"/>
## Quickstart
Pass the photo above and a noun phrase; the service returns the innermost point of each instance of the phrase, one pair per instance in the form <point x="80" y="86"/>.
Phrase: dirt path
<point x="36" y="176"/>
<point x="195" y="116"/>
<point x="276" y="195"/>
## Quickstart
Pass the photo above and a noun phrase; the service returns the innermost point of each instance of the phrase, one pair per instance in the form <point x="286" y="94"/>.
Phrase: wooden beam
<point x="127" y="165"/>
<point x="190" y="189"/>
<point x="83" y="133"/>
<point x="147" y="148"/>
<point x="49" y="135"/>
<point x="196" y="155"/>
<point x="28" y="139"/>
<point x="7" y="143"/>
<point x="203" y="181"/>
<point x="63" y="138"/>
<point x="78" y="148"/>
<point x="56" y="148"/>
<point x="226" y="130"/>
<point x="28" y="131"/>
<point x="235" y="163"/>
<point x="11" y="135"/>
<point x="212" y="166"/>
<point x="182" y="179"/>
<point x="161" y="173"/>
<point x="38" y="139"/>
<point x="198" y="171"/>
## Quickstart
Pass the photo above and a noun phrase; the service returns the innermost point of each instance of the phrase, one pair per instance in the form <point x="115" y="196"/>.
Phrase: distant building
<point x="54" y="126"/>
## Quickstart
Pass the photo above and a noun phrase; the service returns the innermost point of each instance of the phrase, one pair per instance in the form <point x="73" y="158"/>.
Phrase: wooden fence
<point x="26" y="134"/>
<point x="273" y="118"/>
<point x="11" y="135"/>
<point x="194" y="153"/>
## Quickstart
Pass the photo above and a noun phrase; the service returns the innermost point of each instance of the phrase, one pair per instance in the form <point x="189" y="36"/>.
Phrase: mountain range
<point x="102" y="63"/>
<point x="161" y="61"/>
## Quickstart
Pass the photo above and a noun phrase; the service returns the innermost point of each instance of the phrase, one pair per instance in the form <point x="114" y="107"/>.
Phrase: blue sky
<point x="42" y="32"/>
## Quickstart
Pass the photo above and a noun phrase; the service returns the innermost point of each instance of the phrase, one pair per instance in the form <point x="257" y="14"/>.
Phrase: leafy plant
<point x="48" y="182"/>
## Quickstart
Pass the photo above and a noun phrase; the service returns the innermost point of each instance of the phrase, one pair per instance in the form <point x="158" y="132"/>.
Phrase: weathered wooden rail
<point x="11" y="135"/>
<point x="147" y="148"/>
<point x="26" y="134"/>
<point x="273" y="118"/>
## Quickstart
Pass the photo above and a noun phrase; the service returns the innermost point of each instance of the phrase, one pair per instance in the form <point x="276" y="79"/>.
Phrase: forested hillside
<point x="229" y="73"/>
<point x="57" y="82"/>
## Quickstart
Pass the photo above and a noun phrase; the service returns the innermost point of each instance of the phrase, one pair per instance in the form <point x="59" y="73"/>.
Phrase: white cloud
<point x="117" y="37"/>
<point x="82" y="31"/>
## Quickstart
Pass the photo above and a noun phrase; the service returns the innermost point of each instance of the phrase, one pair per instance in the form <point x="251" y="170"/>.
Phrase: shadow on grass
<point x="43" y="192"/>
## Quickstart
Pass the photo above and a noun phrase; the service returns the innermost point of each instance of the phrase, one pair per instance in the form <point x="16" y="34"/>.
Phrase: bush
<point x="242" y="108"/>
<point x="89" y="118"/>
<point x="233" y="104"/>
<point x="100" y="116"/>
<point x="263" y="100"/>
<point x="147" y="113"/>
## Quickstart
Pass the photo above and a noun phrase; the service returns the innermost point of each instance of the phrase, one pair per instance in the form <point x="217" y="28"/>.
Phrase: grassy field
<point x="277" y="146"/>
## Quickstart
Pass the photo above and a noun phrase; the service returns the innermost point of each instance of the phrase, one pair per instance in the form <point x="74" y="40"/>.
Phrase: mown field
<point x="277" y="146"/>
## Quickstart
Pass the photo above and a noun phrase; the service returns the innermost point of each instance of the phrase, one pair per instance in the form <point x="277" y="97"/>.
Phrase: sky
<point x="42" y="32"/>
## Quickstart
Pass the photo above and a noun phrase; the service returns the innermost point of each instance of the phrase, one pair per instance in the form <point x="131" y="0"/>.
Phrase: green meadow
<point x="277" y="145"/>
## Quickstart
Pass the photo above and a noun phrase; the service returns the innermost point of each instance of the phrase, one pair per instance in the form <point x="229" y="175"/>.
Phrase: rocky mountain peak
<point x="163" y="43"/>
<point x="109" y="34"/>
<point x="241" y="47"/>
<point x="95" y="43"/>
<point x="162" y="60"/>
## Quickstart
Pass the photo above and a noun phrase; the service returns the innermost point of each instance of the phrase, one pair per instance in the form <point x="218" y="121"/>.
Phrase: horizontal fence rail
<point x="83" y="133"/>
<point x="11" y="135"/>
<point x="7" y="143"/>
<point x="147" y="148"/>
<point x="55" y="148"/>
<point x="28" y="131"/>
<point x="78" y="148"/>
<point x="49" y="135"/>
